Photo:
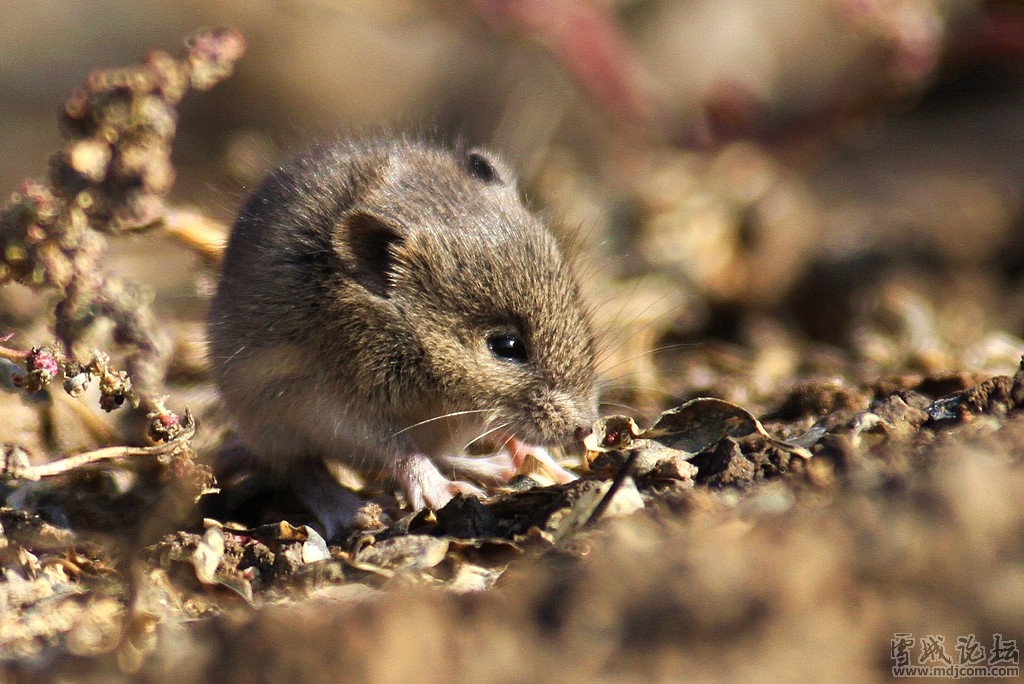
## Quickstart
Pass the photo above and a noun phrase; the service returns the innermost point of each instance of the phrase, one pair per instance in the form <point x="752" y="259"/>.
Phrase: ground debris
<point x="999" y="396"/>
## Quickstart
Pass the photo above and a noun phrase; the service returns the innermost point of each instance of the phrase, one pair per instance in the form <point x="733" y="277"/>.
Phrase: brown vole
<point x="383" y="303"/>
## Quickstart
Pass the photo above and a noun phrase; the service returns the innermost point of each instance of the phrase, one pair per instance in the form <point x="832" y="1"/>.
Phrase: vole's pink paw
<point x="426" y="487"/>
<point x="465" y="488"/>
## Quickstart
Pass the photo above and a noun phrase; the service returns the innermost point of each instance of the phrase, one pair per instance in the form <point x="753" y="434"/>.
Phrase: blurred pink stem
<point x="584" y="36"/>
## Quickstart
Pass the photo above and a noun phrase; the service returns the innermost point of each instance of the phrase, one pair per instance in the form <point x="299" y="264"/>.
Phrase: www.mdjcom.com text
<point x="965" y="657"/>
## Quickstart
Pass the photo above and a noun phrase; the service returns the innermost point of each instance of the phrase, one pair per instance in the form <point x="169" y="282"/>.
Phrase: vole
<point x="384" y="303"/>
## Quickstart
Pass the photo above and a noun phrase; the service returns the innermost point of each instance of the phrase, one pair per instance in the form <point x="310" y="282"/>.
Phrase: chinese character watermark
<point x="902" y="642"/>
<point x="969" y="650"/>
<point x="933" y="650"/>
<point x="971" y="660"/>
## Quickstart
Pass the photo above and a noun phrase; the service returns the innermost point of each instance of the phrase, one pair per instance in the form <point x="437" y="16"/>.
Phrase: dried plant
<point x="110" y="177"/>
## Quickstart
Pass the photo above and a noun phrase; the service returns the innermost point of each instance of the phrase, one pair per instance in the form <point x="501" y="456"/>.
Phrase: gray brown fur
<point x="359" y="287"/>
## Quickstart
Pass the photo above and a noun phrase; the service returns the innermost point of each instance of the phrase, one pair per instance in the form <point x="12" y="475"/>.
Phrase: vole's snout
<point x="556" y="416"/>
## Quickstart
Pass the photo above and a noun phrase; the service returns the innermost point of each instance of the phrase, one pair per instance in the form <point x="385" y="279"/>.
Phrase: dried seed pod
<point x="164" y="424"/>
<point x="41" y="367"/>
<point x="76" y="378"/>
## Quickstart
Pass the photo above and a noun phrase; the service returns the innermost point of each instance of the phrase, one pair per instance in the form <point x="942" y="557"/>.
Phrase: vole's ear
<point x="366" y="243"/>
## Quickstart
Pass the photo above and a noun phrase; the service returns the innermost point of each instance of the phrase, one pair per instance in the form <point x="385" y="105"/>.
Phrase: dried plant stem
<point x="70" y="463"/>
<point x="616" y="484"/>
<point x="199" y="233"/>
<point x="110" y="178"/>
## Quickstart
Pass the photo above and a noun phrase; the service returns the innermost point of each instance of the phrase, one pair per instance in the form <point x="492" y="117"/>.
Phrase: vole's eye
<point x="481" y="168"/>
<point x="507" y="347"/>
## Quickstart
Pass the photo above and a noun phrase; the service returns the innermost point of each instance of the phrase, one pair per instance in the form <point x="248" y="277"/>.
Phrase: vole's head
<point x="443" y="241"/>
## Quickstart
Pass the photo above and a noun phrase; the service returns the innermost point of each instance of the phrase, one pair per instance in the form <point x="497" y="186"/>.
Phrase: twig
<point x="70" y="463"/>
<point x="15" y="355"/>
<point x="199" y="233"/>
<point x="620" y="477"/>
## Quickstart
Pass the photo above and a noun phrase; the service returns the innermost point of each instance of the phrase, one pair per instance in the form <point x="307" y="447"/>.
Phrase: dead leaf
<point x="679" y="433"/>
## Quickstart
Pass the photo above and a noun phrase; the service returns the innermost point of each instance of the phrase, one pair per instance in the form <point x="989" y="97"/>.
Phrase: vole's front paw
<point x="426" y="487"/>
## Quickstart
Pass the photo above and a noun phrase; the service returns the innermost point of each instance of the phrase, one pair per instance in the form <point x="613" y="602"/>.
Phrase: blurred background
<point x="762" y="189"/>
<point x="796" y="205"/>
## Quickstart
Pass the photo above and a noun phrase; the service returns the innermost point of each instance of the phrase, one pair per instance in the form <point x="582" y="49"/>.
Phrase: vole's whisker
<point x="635" y="284"/>
<point x="623" y="303"/>
<point x="443" y="416"/>
<point x="511" y="436"/>
<point x="622" y="384"/>
<point x="617" y="380"/>
<point x="618" y="405"/>
<point x="644" y="379"/>
<point x="485" y="434"/>
<point x="637" y="330"/>
<point x="632" y="411"/>
<point x="657" y="350"/>
<point x="634" y="380"/>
